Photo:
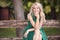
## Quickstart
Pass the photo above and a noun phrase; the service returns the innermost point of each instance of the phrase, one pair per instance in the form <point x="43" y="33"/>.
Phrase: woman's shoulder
<point x="28" y="16"/>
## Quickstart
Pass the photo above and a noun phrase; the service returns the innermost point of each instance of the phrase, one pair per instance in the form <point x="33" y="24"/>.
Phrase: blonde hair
<point x="42" y="15"/>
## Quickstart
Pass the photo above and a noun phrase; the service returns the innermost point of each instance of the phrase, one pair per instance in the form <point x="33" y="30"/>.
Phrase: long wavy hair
<point x="41" y="13"/>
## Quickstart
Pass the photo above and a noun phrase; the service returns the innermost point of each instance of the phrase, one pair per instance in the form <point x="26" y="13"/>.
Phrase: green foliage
<point x="57" y="8"/>
<point x="47" y="9"/>
<point x="11" y="32"/>
<point x="27" y="6"/>
<point x="45" y="3"/>
<point x="5" y="3"/>
<point x="7" y="32"/>
<point x="52" y="31"/>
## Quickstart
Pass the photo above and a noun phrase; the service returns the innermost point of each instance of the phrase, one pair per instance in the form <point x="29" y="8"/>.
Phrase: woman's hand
<point x="37" y="15"/>
<point x="26" y="33"/>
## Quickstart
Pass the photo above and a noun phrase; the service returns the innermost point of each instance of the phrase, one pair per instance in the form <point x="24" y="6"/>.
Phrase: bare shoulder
<point x="29" y="16"/>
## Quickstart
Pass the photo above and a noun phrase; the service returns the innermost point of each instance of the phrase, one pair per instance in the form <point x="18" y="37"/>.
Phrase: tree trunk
<point x="53" y="11"/>
<point x="18" y="7"/>
<point x="19" y="14"/>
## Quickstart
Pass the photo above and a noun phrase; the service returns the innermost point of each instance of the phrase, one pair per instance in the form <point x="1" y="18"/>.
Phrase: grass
<point x="52" y="31"/>
<point x="7" y="32"/>
<point x="11" y="32"/>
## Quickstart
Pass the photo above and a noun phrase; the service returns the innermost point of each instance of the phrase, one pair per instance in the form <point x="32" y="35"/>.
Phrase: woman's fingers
<point x="26" y="33"/>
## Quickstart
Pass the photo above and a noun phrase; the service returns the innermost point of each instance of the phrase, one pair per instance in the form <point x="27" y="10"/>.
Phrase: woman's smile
<point x="36" y="9"/>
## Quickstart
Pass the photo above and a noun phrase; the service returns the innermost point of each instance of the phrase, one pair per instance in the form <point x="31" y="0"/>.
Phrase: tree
<point x="19" y="13"/>
<point x="53" y="10"/>
<point x="18" y="7"/>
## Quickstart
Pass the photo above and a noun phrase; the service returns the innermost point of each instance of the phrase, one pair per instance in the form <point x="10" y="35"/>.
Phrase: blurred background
<point x="14" y="12"/>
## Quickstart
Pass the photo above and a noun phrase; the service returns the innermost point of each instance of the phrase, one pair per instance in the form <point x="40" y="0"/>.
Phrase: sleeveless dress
<point x="31" y="33"/>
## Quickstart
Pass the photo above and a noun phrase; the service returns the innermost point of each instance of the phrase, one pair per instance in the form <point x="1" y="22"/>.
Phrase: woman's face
<point x="36" y="9"/>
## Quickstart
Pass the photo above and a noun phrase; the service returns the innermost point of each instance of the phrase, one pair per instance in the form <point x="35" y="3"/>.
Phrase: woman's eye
<point x="33" y="8"/>
<point x="37" y="8"/>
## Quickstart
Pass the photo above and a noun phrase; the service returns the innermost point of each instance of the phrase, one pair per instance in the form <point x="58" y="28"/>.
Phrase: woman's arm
<point x="26" y="33"/>
<point x="37" y="22"/>
<point x="32" y="29"/>
<point x="35" y="25"/>
<point x="31" y="20"/>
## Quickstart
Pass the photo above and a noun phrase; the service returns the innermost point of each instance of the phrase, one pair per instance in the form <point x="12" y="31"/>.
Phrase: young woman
<point x="36" y="18"/>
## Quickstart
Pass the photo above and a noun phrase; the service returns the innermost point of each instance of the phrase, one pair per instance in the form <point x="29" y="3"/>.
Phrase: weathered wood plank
<point x="22" y="24"/>
<point x="56" y="37"/>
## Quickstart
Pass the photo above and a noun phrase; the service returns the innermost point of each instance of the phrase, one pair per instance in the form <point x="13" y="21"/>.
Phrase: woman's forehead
<point x="35" y="6"/>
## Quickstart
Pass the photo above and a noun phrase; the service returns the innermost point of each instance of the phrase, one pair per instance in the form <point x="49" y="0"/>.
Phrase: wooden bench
<point x="19" y="24"/>
<point x="17" y="38"/>
<point x="23" y="24"/>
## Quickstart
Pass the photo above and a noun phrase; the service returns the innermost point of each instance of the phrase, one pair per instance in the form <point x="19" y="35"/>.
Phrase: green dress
<point x="31" y="34"/>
